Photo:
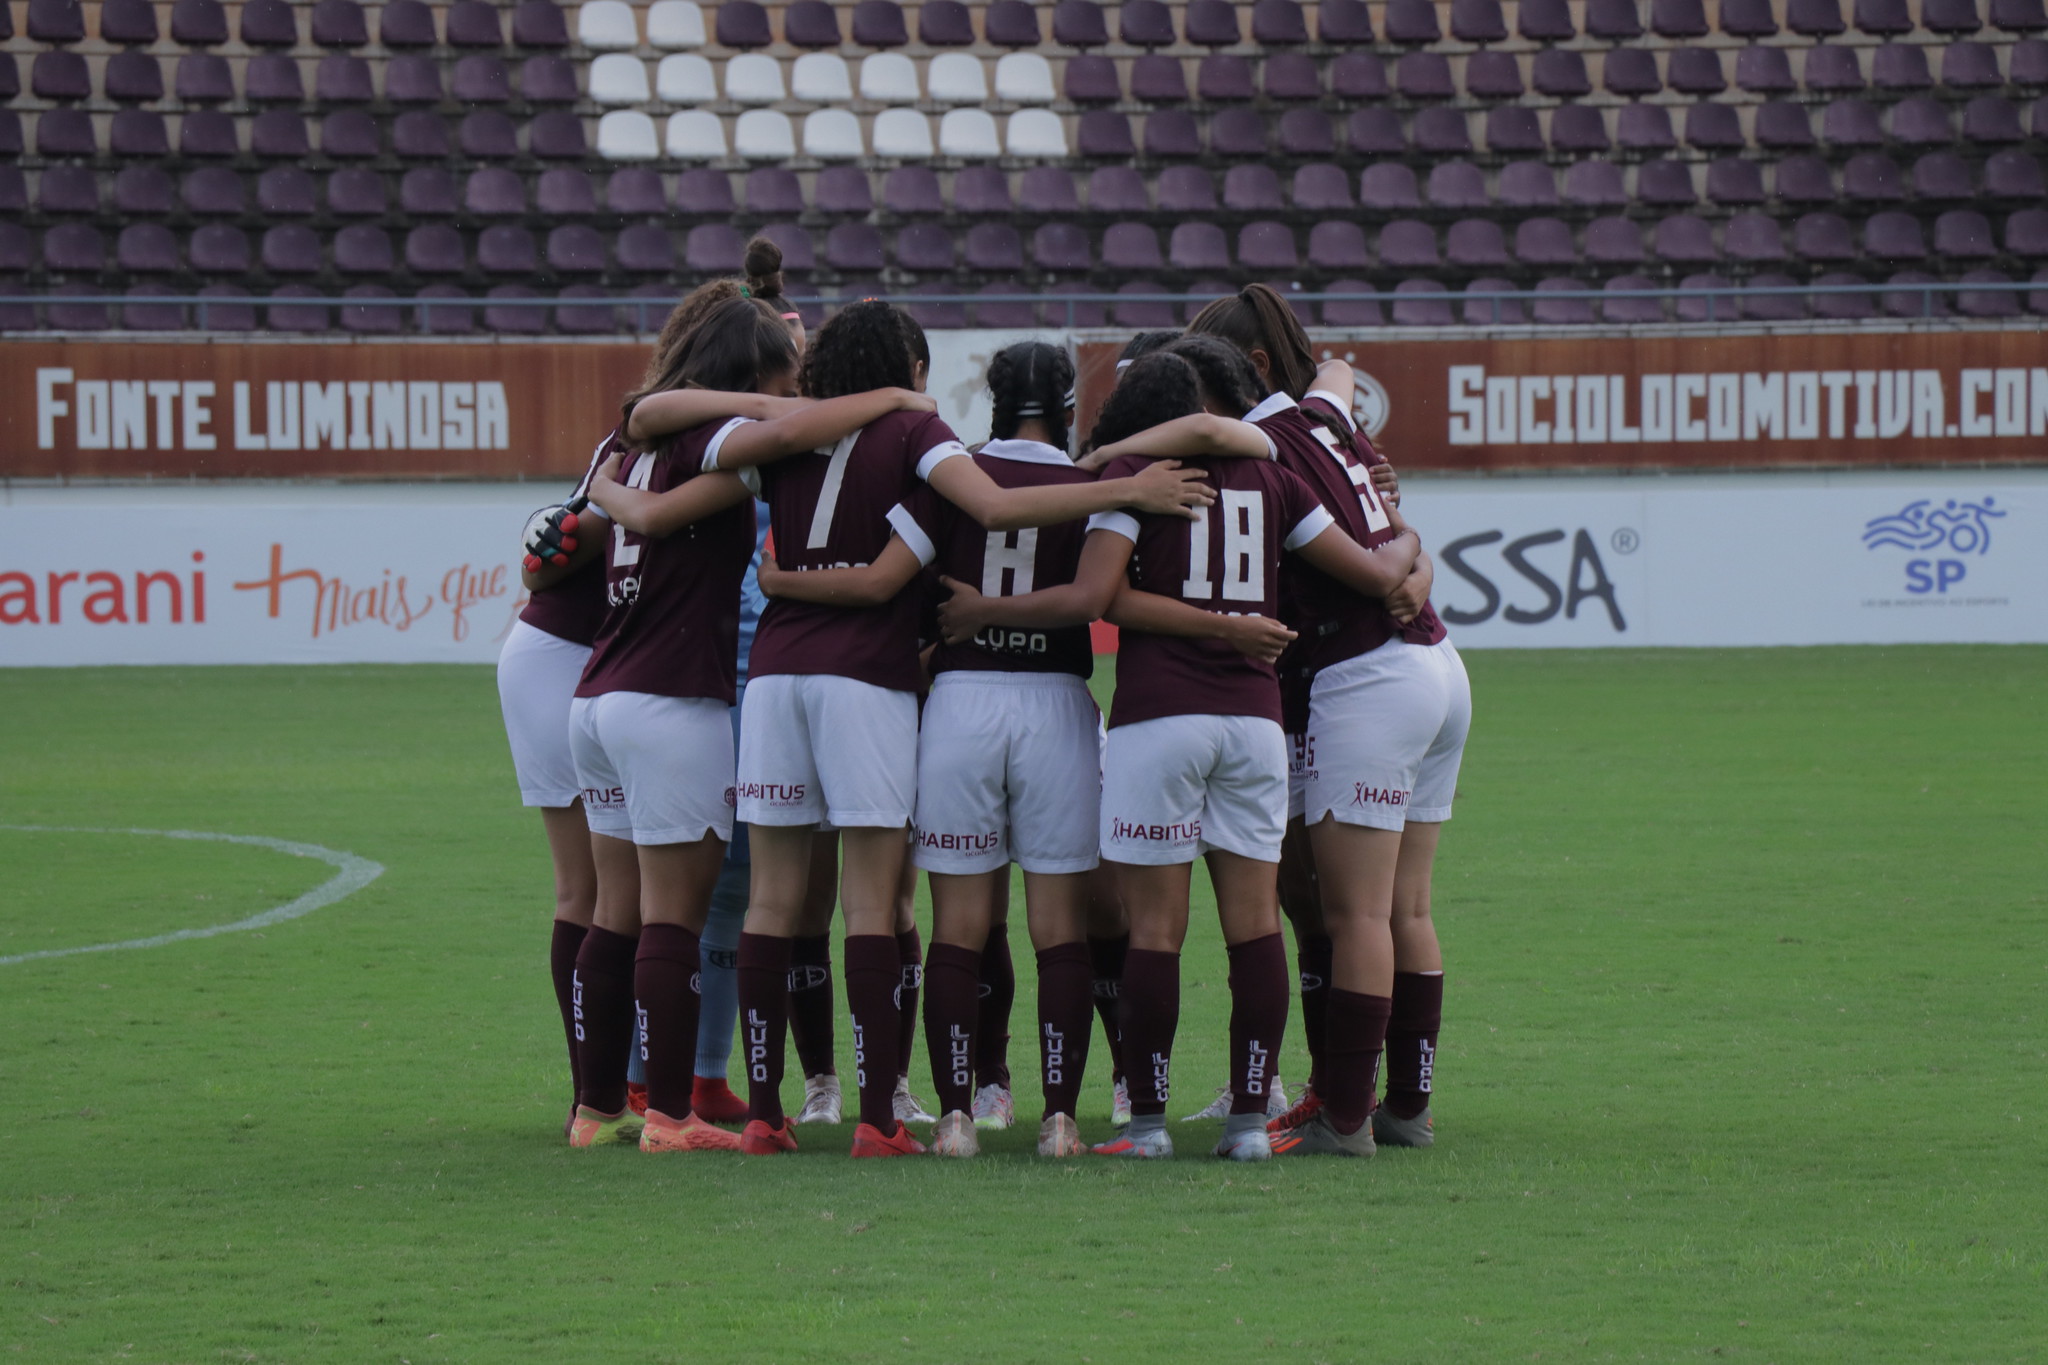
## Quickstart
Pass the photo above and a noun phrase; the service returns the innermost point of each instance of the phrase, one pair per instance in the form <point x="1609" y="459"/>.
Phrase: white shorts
<point x="656" y="770"/>
<point x="1386" y="732"/>
<point x="816" y="747"/>
<point x="1179" y="786"/>
<point x="537" y="677"/>
<point x="1007" y="769"/>
<point x="1297" y="775"/>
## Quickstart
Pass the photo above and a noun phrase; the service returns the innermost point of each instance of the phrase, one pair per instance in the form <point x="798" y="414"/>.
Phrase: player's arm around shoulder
<point x="1377" y="572"/>
<point x="1105" y="555"/>
<point x="646" y="513"/>
<point x="867" y="585"/>
<point x="1160" y="486"/>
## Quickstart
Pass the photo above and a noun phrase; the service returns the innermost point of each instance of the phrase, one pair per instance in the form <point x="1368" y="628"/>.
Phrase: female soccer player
<point x="1007" y="757"/>
<point x="1388" y="711"/>
<point x="1196" y="762"/>
<point x="650" y="719"/>
<point x="830" y="726"/>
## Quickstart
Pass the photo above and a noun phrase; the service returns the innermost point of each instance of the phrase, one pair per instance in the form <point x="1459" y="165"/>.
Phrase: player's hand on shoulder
<point x="1387" y="482"/>
<point x="1257" y="637"/>
<point x="771" y="577"/>
<point x="960" y="614"/>
<point x="910" y="400"/>
<point x="1165" y="487"/>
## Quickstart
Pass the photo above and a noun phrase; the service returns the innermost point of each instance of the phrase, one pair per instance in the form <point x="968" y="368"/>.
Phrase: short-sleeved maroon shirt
<point x="829" y="509"/>
<point x="1004" y="563"/>
<point x="573" y="608"/>
<point x="672" y="619"/>
<point x="1226" y="562"/>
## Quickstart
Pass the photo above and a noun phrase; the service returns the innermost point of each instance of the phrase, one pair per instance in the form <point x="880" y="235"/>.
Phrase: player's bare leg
<point x="962" y="909"/>
<point x="1156" y="900"/>
<point x="604" y="996"/>
<point x="1056" y="914"/>
<point x="910" y="966"/>
<point x="676" y="883"/>
<point x="1109" y="939"/>
<point x="994" y="1106"/>
<point x="811" y="999"/>
<point x="1418" y="1000"/>
<point x="575" y="902"/>
<point x="776" y="889"/>
<point x="870" y="879"/>
<point x="1301" y="902"/>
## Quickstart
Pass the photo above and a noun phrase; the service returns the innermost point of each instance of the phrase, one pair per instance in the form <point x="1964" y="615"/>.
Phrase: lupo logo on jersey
<point x="1921" y="527"/>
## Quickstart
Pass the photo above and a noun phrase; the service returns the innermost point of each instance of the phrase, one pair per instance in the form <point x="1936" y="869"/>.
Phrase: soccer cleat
<point x="687" y="1134"/>
<point x="954" y="1136"/>
<point x="994" y="1107"/>
<point x="821" y="1099"/>
<point x="592" y="1128"/>
<point x="1152" y="1144"/>
<point x="636" y="1098"/>
<point x="1245" y="1143"/>
<point x="1319" y="1137"/>
<point x="1419" y="1131"/>
<point x="1060" y="1136"/>
<point x="712" y="1100"/>
<point x="1217" y="1108"/>
<point x="758" y="1139"/>
<point x="868" y="1141"/>
<point x="1120" y="1103"/>
<point x="1307" y="1107"/>
<point x="1276" y="1098"/>
<point x="906" y="1106"/>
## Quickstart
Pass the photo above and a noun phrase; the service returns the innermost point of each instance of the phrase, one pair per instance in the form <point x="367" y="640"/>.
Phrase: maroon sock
<point x="1106" y="956"/>
<point x="952" y="977"/>
<point x="998" y="997"/>
<point x="810" y="1002"/>
<point x="1149" y="1016"/>
<point x="1411" y="1041"/>
<point x="604" y="1017"/>
<point x="1064" y="987"/>
<point x="910" y="974"/>
<point x="873" y="976"/>
<point x="562" y="966"/>
<point x="764" y="1014"/>
<point x="1258" y="1018"/>
<point x="1313" y="958"/>
<point x="665" y="983"/>
<point x="1351" y="1055"/>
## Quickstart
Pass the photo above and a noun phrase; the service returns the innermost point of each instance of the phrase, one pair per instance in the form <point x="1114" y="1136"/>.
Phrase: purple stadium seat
<point x="152" y="317"/>
<point x="1376" y="132"/>
<point x="2013" y="175"/>
<point x="219" y="249"/>
<point x="703" y="192"/>
<point x="280" y="135"/>
<point x="1475" y="242"/>
<point x="1320" y="187"/>
<point x="1358" y="76"/>
<point x="1424" y="76"/>
<point x="10" y="76"/>
<point x="74" y="248"/>
<point x="1872" y="178"/>
<point x="1105" y="133"/>
<point x="54" y="21"/>
<point x="944" y="23"/>
<point x="563" y="192"/>
<point x="1090" y="79"/>
<point x="1140" y="23"/>
<point x="361" y="249"/>
<point x="503" y="249"/>
<point x="434" y="249"/>
<point x="1951" y="16"/>
<point x="1851" y="123"/>
<point x="1061" y="246"/>
<point x="1168" y="132"/>
<point x="1914" y="303"/>
<point x="1683" y="239"/>
<point x="405" y="24"/>
<point x="644" y="249"/>
<point x="1014" y="23"/>
<point x="1561" y="312"/>
<point x="843" y="189"/>
<point x="1630" y="309"/>
<point x="1755" y="237"/>
<point x="1900" y="66"/>
<point x="130" y="21"/>
<point x="1759" y="306"/>
<point x="1782" y="125"/>
<point x="1894" y="236"/>
<point x="142" y="189"/>
<point x="1763" y="71"/>
<point x="1456" y="185"/>
<point x="1307" y="132"/>
<point x="272" y="77"/>
<point x="1614" y="241"/>
<point x="1223" y="76"/>
<point x="511" y="318"/>
<point x="63" y="76"/>
<point x="547" y="80"/>
<point x="1987" y="303"/>
<point x="1344" y="23"/>
<point x="848" y="246"/>
<point x="976" y="190"/>
<point x="1158" y="80"/>
<point x="68" y="132"/>
<point x="342" y="79"/>
<point x="349" y="134"/>
<point x="2037" y="119"/>
<point x="1042" y="189"/>
<point x="1478" y="21"/>
<point x="418" y="135"/>
<point x="2026" y="233"/>
<point x="556" y="134"/>
<point x="1678" y="18"/>
<point x="76" y="307"/>
<point x="1732" y="181"/>
<point x="1131" y="246"/>
<point x="1424" y="303"/>
<point x="915" y="190"/>
<point x="1963" y="234"/>
<point x="1513" y="128"/>
<point x="14" y="195"/>
<point x="1942" y="176"/>
<point x="480" y="80"/>
<point x="1252" y="187"/>
<point x="206" y="132"/>
<point x="1493" y="76"/>
<point x="1883" y="17"/>
<point x="1278" y="23"/>
<point x="1351" y="312"/>
<point x="1613" y="20"/>
<point x="339" y="23"/>
<point x="1989" y="119"/>
<point x="1408" y="244"/>
<point x="1479" y="312"/>
<point x="1578" y="128"/>
<point x="1560" y="73"/>
<point x="993" y="248"/>
<point x="356" y="192"/>
<point x="1198" y="246"/>
<point x="1411" y="22"/>
<point x="488" y="134"/>
<point x="1117" y="189"/>
<point x="1647" y="127"/>
<point x="1748" y="18"/>
<point x="1291" y="76"/>
<point x="1527" y="184"/>
<point x="1823" y="237"/>
<point x="146" y="249"/>
<point x="203" y="78"/>
<point x="573" y="249"/>
<point x="879" y="23"/>
<point x="1713" y="127"/>
<point x="1814" y="18"/>
<point x="1237" y="133"/>
<point x="1266" y="246"/>
<point x="811" y="23"/>
<point x="199" y="23"/>
<point x="288" y="192"/>
<point x="539" y="24"/>
<point x="1665" y="183"/>
<point x="2019" y="16"/>
<point x="1337" y="245"/>
<point x="1921" y="121"/>
<point x="473" y="23"/>
<point x="1141" y="315"/>
<point x="1630" y="71"/>
<point x="773" y="190"/>
<point x="1697" y="71"/>
<point x="1210" y="23"/>
<point x="68" y="189"/>
<point x="368" y="311"/>
<point x="1388" y="185"/>
<point x="1442" y="131"/>
<point x="1831" y="70"/>
<point x="1970" y="66"/>
<point x="135" y="77"/>
<point x="934" y="316"/>
<point x="1594" y="184"/>
<point x="494" y="192"/>
<point x="635" y="191"/>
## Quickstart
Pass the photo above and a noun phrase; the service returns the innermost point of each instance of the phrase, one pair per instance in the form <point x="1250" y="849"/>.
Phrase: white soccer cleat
<point x="1251" y="1144"/>
<point x="1120" y="1104"/>
<point x="1150" y="1144"/>
<point x="1217" y="1108"/>
<point x="821" y="1100"/>
<point x="994" y="1108"/>
<point x="954" y="1135"/>
<point x="1059" y="1136"/>
<point x="906" y="1106"/>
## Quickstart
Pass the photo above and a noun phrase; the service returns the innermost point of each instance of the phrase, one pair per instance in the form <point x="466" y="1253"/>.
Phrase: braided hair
<point x="1031" y="380"/>
<point x="866" y="345"/>
<point x="1228" y="379"/>
<point x="1157" y="388"/>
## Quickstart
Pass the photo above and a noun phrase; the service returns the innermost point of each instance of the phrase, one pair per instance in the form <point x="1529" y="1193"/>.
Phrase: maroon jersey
<point x="1227" y="562"/>
<point x="1335" y="622"/>
<point x="573" y="607"/>
<point x="829" y="509"/>
<point x="1004" y="563"/>
<point x="672" y="618"/>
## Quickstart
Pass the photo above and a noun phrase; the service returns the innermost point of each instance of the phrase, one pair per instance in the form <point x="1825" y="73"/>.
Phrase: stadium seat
<point x="1579" y="128"/>
<point x="1697" y="71"/>
<point x="288" y="191"/>
<point x="686" y="78"/>
<point x="1120" y="189"/>
<point x="1456" y="185"/>
<point x="1493" y="76"/>
<point x="628" y="135"/>
<point x="1032" y="133"/>
<point x="1388" y="186"/>
<point x="1408" y="244"/>
<point x="1872" y="178"/>
<point x="968" y="133"/>
<point x="2013" y="175"/>
<point x="1963" y="234"/>
<point x="607" y="26"/>
<point x="1630" y="71"/>
<point x="1764" y="71"/>
<point x="473" y="23"/>
<point x="751" y="78"/>
<point x="905" y="134"/>
<point x="1831" y="70"/>
<point x="1222" y="78"/>
<point x="205" y="133"/>
<point x="1198" y="246"/>
<point x="888" y="78"/>
<point x="1814" y="18"/>
<point x="349" y="134"/>
<point x="488" y="135"/>
<point x="944" y="23"/>
<point x="1630" y="310"/>
<point x="993" y="248"/>
<point x="539" y="24"/>
<point x="673" y="25"/>
<point x="203" y="78"/>
<point x="1014" y="23"/>
<point x="1613" y="20"/>
<point x="1663" y="182"/>
<point x="760" y="135"/>
<point x="1544" y="241"/>
<point x="1781" y="124"/>
<point x="1252" y="187"/>
<point x="879" y="23"/>
<point x="1754" y="237"/>
<point x="408" y="79"/>
<point x="958" y="78"/>
<point x="1942" y="177"/>
<point x="478" y="79"/>
<point x="644" y="249"/>
<point x="1898" y="66"/>
<point x="148" y="189"/>
<point x="854" y="246"/>
<point x="615" y="78"/>
<point x="1024" y="78"/>
<point x="147" y="248"/>
<point x="819" y="78"/>
<point x="134" y="22"/>
<point x="1473" y="243"/>
<point x="204" y="23"/>
<point x="743" y="24"/>
<point x="924" y="247"/>
<point x="135" y="78"/>
<point x="832" y="135"/>
<point x="1186" y="190"/>
<point x="1527" y="184"/>
<point x="915" y="189"/>
<point x="338" y="24"/>
<point x="772" y="191"/>
<point x="1422" y="303"/>
<point x="705" y="193"/>
<point x="1732" y="181"/>
<point x="1823" y="237"/>
<point x="811" y="24"/>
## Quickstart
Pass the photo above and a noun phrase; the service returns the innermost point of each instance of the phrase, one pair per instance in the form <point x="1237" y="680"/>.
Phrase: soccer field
<point x="1743" y="1059"/>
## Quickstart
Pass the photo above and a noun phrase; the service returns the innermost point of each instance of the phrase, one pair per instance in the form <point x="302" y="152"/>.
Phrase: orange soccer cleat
<point x="868" y="1141"/>
<point x="687" y="1134"/>
<point x="758" y="1139"/>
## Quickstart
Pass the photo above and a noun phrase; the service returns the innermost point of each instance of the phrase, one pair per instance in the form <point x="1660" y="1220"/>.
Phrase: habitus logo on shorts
<point x="1178" y="832"/>
<point x="945" y="841"/>
<point x="774" y="793"/>
<point x="605" y="798"/>
<point x="1941" y="539"/>
<point x="1366" y="794"/>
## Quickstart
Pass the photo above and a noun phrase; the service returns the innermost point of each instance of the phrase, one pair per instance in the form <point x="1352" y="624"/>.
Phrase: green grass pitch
<point x="1744" y="1061"/>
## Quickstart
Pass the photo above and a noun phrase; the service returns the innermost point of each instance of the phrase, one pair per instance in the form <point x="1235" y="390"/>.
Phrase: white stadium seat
<point x="751" y="78"/>
<point x="685" y="78"/>
<point x="903" y="134"/>
<point x="616" y="78"/>
<point x="956" y="78"/>
<point x="1024" y="78"/>
<point x="1037" y="133"/>
<point x="821" y="78"/>
<point x="832" y="135"/>
<point x="673" y="24"/>
<point x="695" y="135"/>
<point x="763" y="135"/>
<point x="888" y="78"/>
<point x="607" y="26"/>
<point x="969" y="133"/>
<point x="627" y="135"/>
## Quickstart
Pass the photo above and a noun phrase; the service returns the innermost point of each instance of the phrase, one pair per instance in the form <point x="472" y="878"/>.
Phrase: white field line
<point x="352" y="874"/>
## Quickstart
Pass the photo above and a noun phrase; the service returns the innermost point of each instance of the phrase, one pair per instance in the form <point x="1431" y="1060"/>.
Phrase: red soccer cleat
<point x="758" y="1139"/>
<point x="636" y="1098"/>
<point x="712" y="1098"/>
<point x="687" y="1134"/>
<point x="868" y="1141"/>
<point x="1307" y="1107"/>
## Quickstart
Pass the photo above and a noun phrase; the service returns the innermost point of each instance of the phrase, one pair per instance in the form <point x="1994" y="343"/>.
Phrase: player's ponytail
<point x="1228" y="380"/>
<point x="1157" y="388"/>
<point x="1033" y="381"/>
<point x="763" y="270"/>
<point x="865" y="345"/>
<point x="1256" y="318"/>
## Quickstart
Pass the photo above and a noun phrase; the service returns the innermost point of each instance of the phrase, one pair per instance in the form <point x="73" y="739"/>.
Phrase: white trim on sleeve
<point x="1123" y="523"/>
<point x="1274" y="403"/>
<point x="1336" y="405"/>
<point x="717" y="442"/>
<point x="905" y="525"/>
<point x="1309" y="527"/>
<point x="936" y="456"/>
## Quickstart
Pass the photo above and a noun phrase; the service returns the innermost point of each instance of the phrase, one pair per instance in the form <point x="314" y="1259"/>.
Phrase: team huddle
<point x="885" y="670"/>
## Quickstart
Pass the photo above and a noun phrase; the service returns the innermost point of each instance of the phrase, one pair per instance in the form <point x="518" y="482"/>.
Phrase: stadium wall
<point x="425" y="572"/>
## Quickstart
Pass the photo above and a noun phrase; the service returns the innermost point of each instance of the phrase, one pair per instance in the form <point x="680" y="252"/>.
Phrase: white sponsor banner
<point x="428" y="572"/>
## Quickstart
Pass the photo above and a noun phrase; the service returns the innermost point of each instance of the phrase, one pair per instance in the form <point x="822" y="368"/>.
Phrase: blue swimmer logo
<point x="1960" y="528"/>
